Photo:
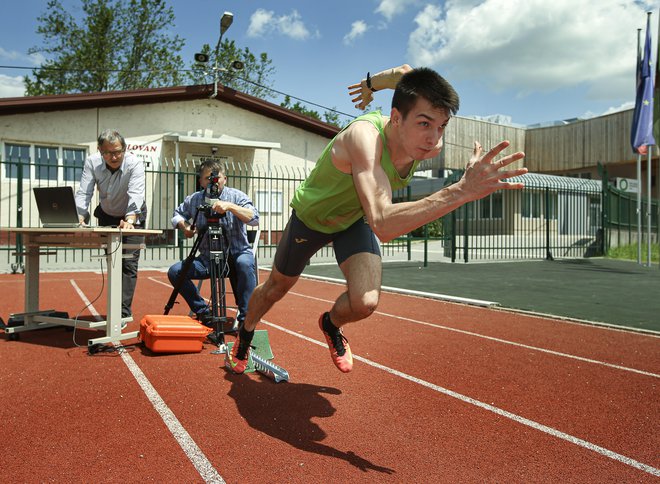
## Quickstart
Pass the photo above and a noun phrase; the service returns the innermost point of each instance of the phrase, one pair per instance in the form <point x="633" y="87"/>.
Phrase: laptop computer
<point x="57" y="207"/>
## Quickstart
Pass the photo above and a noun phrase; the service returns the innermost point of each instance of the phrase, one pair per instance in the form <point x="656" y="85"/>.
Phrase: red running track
<point x="440" y="392"/>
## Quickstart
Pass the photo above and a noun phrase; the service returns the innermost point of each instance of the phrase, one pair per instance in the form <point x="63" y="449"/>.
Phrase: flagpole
<point x="639" y="166"/>
<point x="639" y="208"/>
<point x="649" y="151"/>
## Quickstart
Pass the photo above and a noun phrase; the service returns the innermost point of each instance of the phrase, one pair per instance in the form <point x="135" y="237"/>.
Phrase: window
<point x="73" y="160"/>
<point x="46" y="162"/>
<point x="17" y="156"/>
<point x="269" y="202"/>
<point x="551" y="212"/>
<point x="531" y="204"/>
<point x="534" y="205"/>
<point x="491" y="207"/>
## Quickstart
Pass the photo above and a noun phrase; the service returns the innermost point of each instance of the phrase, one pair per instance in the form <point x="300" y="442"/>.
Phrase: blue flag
<point x="642" y="124"/>
<point x="656" y="99"/>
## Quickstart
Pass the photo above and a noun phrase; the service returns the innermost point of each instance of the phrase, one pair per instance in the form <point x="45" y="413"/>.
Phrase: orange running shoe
<point x="240" y="355"/>
<point x="340" y="351"/>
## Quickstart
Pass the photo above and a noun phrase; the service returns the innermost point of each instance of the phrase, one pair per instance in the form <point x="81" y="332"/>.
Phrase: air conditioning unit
<point x="629" y="185"/>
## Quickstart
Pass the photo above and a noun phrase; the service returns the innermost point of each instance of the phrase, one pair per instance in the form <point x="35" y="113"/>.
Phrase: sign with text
<point x="147" y="151"/>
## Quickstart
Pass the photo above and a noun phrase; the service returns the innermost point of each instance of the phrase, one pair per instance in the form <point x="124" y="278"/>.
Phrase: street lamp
<point x="225" y="22"/>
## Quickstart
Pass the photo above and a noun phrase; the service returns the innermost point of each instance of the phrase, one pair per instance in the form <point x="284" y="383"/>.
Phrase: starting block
<point x="260" y="358"/>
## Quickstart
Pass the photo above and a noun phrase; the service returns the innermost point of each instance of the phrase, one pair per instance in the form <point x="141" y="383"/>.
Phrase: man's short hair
<point x="214" y="165"/>
<point x="428" y="84"/>
<point x="111" y="135"/>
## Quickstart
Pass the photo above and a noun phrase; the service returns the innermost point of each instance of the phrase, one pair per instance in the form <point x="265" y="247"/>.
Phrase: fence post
<point x="465" y="230"/>
<point x="546" y="213"/>
<point x="180" y="187"/>
<point x="19" y="218"/>
<point x="605" y="206"/>
<point x="453" y="235"/>
<point x="426" y="245"/>
<point x="409" y="234"/>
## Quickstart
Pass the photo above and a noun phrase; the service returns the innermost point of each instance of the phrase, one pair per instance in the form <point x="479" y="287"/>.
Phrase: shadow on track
<point x="285" y="411"/>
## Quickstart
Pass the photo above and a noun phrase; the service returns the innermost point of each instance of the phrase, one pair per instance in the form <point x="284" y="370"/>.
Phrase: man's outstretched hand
<point x="484" y="174"/>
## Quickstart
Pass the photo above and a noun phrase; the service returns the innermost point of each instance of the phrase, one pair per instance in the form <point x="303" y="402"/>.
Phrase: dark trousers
<point x="242" y="277"/>
<point x="129" y="263"/>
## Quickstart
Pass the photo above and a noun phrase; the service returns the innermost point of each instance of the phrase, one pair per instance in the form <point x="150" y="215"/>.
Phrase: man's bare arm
<point x="362" y="95"/>
<point x="483" y="176"/>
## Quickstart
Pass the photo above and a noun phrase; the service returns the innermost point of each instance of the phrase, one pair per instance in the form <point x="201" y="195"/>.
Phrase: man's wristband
<point x="369" y="82"/>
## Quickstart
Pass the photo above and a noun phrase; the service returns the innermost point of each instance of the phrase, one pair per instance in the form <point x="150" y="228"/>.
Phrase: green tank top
<point x="327" y="200"/>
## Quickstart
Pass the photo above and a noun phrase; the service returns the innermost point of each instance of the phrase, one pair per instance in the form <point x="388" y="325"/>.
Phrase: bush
<point x="629" y="252"/>
<point x="434" y="229"/>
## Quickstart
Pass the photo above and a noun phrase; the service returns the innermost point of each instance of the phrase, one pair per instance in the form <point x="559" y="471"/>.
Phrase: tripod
<point x="214" y="234"/>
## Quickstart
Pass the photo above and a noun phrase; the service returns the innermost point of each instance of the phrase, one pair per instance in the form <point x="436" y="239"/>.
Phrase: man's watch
<point x="369" y="83"/>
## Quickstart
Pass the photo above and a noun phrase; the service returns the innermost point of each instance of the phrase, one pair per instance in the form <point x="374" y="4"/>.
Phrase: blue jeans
<point x="242" y="277"/>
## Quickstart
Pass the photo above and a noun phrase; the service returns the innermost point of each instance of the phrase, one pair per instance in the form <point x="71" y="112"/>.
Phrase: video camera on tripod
<point x="211" y="195"/>
<point x="218" y="245"/>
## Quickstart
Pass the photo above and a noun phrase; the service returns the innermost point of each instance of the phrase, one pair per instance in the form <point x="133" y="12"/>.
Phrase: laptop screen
<point x="57" y="206"/>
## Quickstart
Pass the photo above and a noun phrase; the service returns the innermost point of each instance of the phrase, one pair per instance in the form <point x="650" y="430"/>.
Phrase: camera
<point x="211" y="195"/>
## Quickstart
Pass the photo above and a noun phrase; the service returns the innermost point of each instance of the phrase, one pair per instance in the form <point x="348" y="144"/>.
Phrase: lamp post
<point x="225" y="22"/>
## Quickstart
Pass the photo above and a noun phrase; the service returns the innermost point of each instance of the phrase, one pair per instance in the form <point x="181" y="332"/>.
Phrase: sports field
<point x="440" y="392"/>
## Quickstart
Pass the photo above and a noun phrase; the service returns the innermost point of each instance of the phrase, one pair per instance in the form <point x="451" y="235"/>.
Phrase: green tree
<point x="329" y="117"/>
<point x="116" y="45"/>
<point x="253" y="78"/>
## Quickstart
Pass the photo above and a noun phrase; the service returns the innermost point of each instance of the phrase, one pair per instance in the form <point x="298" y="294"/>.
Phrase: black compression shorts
<point x="299" y="243"/>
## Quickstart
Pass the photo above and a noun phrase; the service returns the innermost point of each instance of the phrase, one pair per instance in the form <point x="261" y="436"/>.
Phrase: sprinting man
<point x="347" y="199"/>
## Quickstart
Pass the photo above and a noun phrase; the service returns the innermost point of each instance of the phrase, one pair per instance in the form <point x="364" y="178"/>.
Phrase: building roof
<point x="539" y="180"/>
<point x="223" y="140"/>
<point x="62" y="102"/>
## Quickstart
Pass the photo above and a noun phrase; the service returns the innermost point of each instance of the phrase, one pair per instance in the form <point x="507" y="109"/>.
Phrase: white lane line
<point x="491" y="338"/>
<point x="517" y="418"/>
<point x="181" y="435"/>
<point x="491" y="304"/>
<point x="512" y="416"/>
<point x="499" y="340"/>
<point x="411" y="292"/>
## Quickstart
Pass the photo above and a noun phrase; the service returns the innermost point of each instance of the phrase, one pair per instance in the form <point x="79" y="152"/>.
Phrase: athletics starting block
<point x="260" y="358"/>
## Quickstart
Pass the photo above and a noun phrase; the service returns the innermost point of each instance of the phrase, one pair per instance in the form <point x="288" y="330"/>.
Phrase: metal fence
<point x="623" y="219"/>
<point x="552" y="217"/>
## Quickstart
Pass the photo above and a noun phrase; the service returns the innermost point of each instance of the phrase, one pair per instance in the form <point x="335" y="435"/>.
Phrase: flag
<point x="656" y="101"/>
<point x="642" y="124"/>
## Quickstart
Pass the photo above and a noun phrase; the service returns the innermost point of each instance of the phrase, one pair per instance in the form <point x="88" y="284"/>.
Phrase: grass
<point x="629" y="252"/>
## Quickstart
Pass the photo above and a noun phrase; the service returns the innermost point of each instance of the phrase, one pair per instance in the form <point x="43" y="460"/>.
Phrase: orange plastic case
<point x="172" y="334"/>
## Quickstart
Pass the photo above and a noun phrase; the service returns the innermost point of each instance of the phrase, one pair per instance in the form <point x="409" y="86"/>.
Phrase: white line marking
<point x="512" y="416"/>
<point x="190" y="448"/>
<point x="493" y="305"/>
<point x="516" y="418"/>
<point x="499" y="340"/>
<point x="491" y="338"/>
<point x="442" y="297"/>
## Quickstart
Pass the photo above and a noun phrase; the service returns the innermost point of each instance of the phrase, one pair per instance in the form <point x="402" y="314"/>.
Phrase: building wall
<point x="461" y="134"/>
<point x="581" y="144"/>
<point x="149" y="122"/>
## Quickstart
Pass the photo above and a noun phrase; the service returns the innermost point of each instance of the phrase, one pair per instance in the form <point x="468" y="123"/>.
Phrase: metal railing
<point x="546" y="220"/>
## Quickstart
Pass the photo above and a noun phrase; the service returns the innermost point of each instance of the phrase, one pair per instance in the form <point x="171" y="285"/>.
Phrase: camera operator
<point x="235" y="210"/>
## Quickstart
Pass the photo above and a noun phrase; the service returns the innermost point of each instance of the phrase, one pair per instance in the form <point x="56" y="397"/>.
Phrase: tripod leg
<point x="184" y="272"/>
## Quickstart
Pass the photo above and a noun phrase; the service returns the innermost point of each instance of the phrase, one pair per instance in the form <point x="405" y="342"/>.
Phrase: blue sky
<point x="532" y="61"/>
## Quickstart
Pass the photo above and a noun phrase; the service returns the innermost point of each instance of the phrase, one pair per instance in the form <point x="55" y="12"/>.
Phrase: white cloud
<point x="615" y="109"/>
<point x="260" y="22"/>
<point x="392" y="8"/>
<point x="20" y="59"/>
<point x="358" y="29"/>
<point x="532" y="45"/>
<point x="11" y="86"/>
<point x="265" y="22"/>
